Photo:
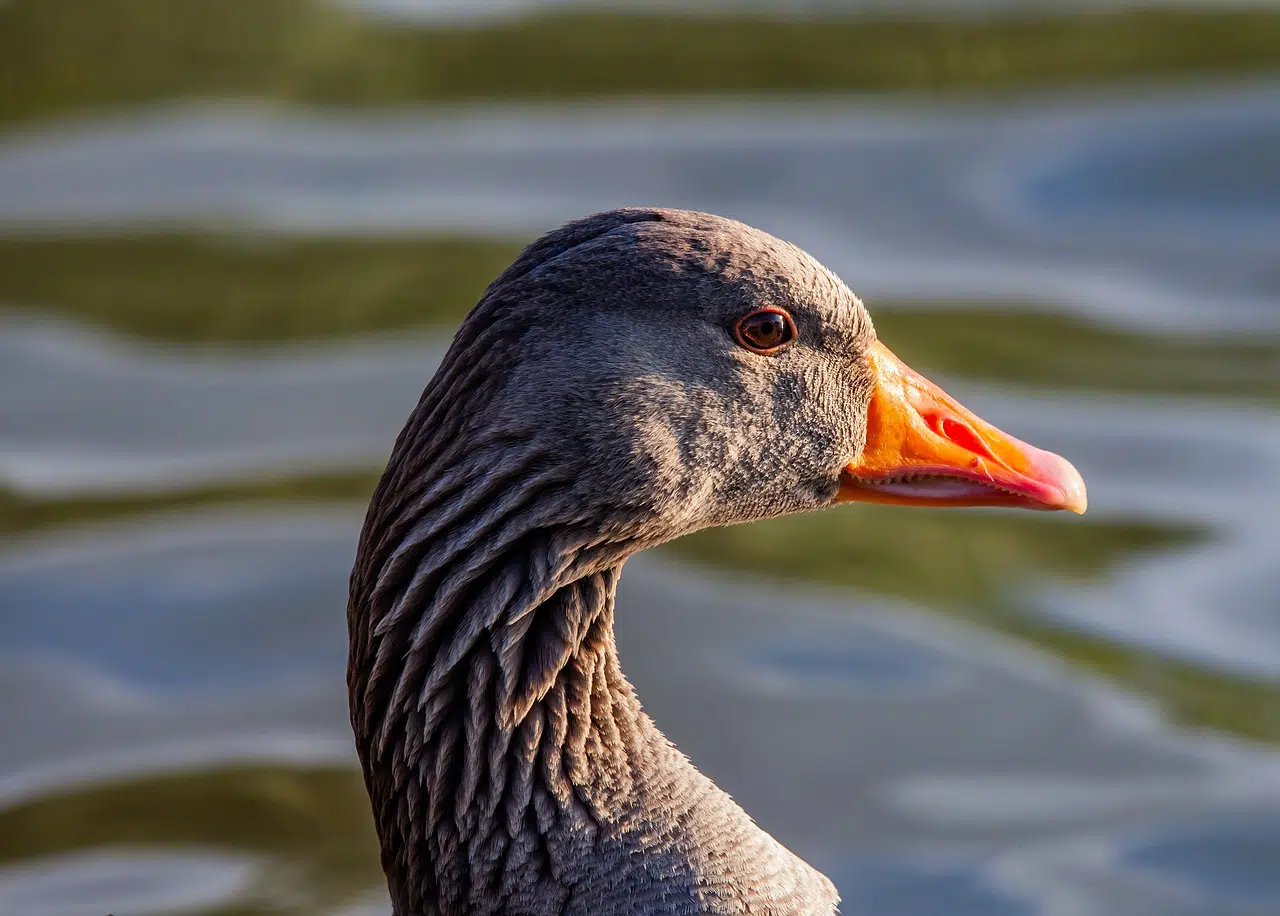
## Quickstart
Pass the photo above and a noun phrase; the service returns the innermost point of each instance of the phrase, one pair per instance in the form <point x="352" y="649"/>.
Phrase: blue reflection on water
<point x="1235" y="863"/>
<point x="1217" y="186"/>
<point x="901" y="887"/>
<point x="876" y="665"/>
<point x="175" y="616"/>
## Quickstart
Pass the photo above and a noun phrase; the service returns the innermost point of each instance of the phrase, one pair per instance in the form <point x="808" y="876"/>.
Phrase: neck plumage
<point x="510" y="767"/>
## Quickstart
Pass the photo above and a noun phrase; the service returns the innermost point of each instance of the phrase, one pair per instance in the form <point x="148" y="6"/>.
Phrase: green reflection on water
<point x="231" y="289"/>
<point x="941" y="558"/>
<point x="1031" y="346"/>
<point x="68" y="55"/>
<point x="249" y="288"/>
<point x="311" y="827"/>
<point x="23" y="515"/>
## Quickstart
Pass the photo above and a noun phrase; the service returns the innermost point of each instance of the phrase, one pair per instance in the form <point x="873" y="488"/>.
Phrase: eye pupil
<point x="765" y="331"/>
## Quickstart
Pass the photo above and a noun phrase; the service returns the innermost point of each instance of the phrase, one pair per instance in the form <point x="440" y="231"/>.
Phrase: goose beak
<point x="925" y="449"/>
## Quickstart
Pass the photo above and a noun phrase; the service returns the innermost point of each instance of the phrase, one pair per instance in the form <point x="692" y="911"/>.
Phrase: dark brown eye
<point x="765" y="331"/>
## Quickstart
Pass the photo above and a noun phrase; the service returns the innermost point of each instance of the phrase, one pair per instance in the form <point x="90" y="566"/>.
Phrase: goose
<point x="633" y="376"/>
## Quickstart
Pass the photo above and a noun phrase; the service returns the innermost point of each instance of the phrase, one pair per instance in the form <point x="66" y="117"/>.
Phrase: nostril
<point x="963" y="435"/>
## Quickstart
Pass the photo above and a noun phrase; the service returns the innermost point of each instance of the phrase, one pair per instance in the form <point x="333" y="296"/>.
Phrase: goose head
<point x="632" y="377"/>
<point x="700" y="372"/>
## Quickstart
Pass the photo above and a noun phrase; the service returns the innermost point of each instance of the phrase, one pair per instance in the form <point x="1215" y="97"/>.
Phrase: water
<point x="984" y="713"/>
<point x="452" y="11"/>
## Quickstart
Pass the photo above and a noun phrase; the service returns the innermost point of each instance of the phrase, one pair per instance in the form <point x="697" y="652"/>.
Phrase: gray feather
<point x="592" y="404"/>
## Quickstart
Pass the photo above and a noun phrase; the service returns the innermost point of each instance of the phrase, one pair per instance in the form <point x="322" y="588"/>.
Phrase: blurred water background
<point x="234" y="239"/>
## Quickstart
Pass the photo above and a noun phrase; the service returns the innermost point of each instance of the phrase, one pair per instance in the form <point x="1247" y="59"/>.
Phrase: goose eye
<point x="765" y="331"/>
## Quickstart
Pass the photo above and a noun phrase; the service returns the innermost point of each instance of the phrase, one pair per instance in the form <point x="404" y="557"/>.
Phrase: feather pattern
<point x="510" y="766"/>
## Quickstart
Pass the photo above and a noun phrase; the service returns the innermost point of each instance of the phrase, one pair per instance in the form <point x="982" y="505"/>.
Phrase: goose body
<point x="633" y="376"/>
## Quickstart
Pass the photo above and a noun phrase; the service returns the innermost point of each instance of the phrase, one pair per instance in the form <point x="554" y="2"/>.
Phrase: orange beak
<point x="924" y="449"/>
